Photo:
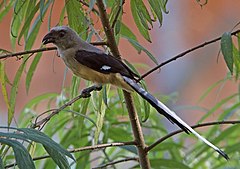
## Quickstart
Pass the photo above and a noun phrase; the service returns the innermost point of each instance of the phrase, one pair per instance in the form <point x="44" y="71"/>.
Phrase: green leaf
<point x="31" y="37"/>
<point x="217" y="106"/>
<point x="166" y="163"/>
<point x="138" y="21"/>
<point x="143" y="49"/>
<point x="40" y="137"/>
<point x="32" y="69"/>
<point x="157" y="9"/>
<point x="76" y="17"/>
<point x="1" y="163"/>
<point x="3" y="84"/>
<point x="58" y="158"/>
<point x="32" y="11"/>
<point x="14" y="91"/>
<point x="36" y="100"/>
<point x="23" y="159"/>
<point x="6" y="9"/>
<point x="227" y="50"/>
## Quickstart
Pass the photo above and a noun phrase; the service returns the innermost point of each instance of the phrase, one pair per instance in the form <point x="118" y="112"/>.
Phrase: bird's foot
<point x="87" y="91"/>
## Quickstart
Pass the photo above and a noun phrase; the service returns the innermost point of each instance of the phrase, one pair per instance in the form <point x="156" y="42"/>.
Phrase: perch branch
<point x="135" y="123"/>
<point x="116" y="162"/>
<point x="8" y="55"/>
<point x="183" y="54"/>
<point x="194" y="126"/>
<point x="87" y="148"/>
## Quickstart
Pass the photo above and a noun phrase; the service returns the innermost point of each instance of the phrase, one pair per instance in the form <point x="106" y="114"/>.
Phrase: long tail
<point x="170" y="115"/>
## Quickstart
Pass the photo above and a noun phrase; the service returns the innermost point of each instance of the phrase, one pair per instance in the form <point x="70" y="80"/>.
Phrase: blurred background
<point x="186" y="25"/>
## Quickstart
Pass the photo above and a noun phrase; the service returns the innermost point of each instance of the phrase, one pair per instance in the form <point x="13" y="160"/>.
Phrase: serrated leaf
<point x="58" y="158"/>
<point x="32" y="69"/>
<point x="227" y="50"/>
<point x="137" y="20"/>
<point x="23" y="159"/>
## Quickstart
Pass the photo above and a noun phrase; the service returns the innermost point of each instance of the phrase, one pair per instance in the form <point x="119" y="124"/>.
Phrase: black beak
<point x="48" y="38"/>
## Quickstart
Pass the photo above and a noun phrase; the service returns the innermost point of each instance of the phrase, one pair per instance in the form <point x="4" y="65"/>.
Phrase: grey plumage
<point x="93" y="64"/>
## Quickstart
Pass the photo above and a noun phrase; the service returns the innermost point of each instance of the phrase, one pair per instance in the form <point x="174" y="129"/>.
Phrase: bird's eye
<point x="61" y="34"/>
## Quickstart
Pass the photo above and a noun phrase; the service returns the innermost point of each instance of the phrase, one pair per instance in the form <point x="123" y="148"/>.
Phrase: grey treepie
<point x="90" y="63"/>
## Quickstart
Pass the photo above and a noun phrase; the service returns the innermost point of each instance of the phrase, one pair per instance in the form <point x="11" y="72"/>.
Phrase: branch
<point x="118" y="13"/>
<point x="184" y="53"/>
<point x="8" y="55"/>
<point x="86" y="4"/>
<point x="116" y="162"/>
<point x="135" y="123"/>
<point x="194" y="126"/>
<point x="89" y="148"/>
<point x="85" y="93"/>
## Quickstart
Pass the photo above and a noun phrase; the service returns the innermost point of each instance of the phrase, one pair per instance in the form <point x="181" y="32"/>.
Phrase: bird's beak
<point x="48" y="38"/>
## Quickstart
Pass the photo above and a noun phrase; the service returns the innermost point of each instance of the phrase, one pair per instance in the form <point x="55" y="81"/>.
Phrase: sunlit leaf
<point x="3" y="84"/>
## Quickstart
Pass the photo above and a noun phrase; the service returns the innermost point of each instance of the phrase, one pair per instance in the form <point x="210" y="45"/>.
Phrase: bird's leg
<point x="87" y="91"/>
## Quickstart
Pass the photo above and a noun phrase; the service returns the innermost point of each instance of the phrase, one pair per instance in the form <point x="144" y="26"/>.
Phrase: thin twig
<point x="56" y="111"/>
<point x="117" y="162"/>
<point x="133" y="116"/>
<point x="194" y="126"/>
<point x="8" y="55"/>
<point x="87" y="148"/>
<point x="183" y="54"/>
<point x="86" y="4"/>
<point x="118" y="13"/>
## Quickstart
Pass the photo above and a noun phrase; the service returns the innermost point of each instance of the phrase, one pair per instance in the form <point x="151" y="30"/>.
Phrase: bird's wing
<point x="103" y="63"/>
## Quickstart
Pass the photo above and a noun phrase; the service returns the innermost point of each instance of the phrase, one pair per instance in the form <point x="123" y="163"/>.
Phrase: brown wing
<point x="103" y="63"/>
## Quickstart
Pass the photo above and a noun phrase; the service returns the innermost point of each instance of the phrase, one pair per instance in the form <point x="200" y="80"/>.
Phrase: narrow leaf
<point x="32" y="69"/>
<point x="58" y="158"/>
<point x="227" y="50"/>
<point x="23" y="159"/>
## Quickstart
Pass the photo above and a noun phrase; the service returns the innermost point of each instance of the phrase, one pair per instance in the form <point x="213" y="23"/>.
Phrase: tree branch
<point x="86" y="93"/>
<point x="117" y="162"/>
<point x="135" y="123"/>
<point x="194" y="126"/>
<point x="8" y="55"/>
<point x="87" y="148"/>
<point x="183" y="54"/>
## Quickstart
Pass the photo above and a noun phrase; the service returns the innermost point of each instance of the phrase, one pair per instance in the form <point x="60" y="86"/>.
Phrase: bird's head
<point x="61" y="36"/>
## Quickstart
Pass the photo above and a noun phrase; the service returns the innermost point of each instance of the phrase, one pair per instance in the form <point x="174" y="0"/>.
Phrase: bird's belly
<point x="94" y="76"/>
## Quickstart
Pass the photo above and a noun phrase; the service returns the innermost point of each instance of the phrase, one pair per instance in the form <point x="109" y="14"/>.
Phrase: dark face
<point x="55" y="36"/>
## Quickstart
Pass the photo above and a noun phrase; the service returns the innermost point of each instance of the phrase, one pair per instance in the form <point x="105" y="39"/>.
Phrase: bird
<point x="93" y="64"/>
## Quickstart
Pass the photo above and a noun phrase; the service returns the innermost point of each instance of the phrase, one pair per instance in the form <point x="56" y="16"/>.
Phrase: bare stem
<point x="194" y="126"/>
<point x="183" y="54"/>
<point x="135" y="123"/>
<point x="87" y="148"/>
<point x="117" y="162"/>
<point x="8" y="55"/>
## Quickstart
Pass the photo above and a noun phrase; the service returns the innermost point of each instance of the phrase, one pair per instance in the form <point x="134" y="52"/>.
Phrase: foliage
<point x="103" y="117"/>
